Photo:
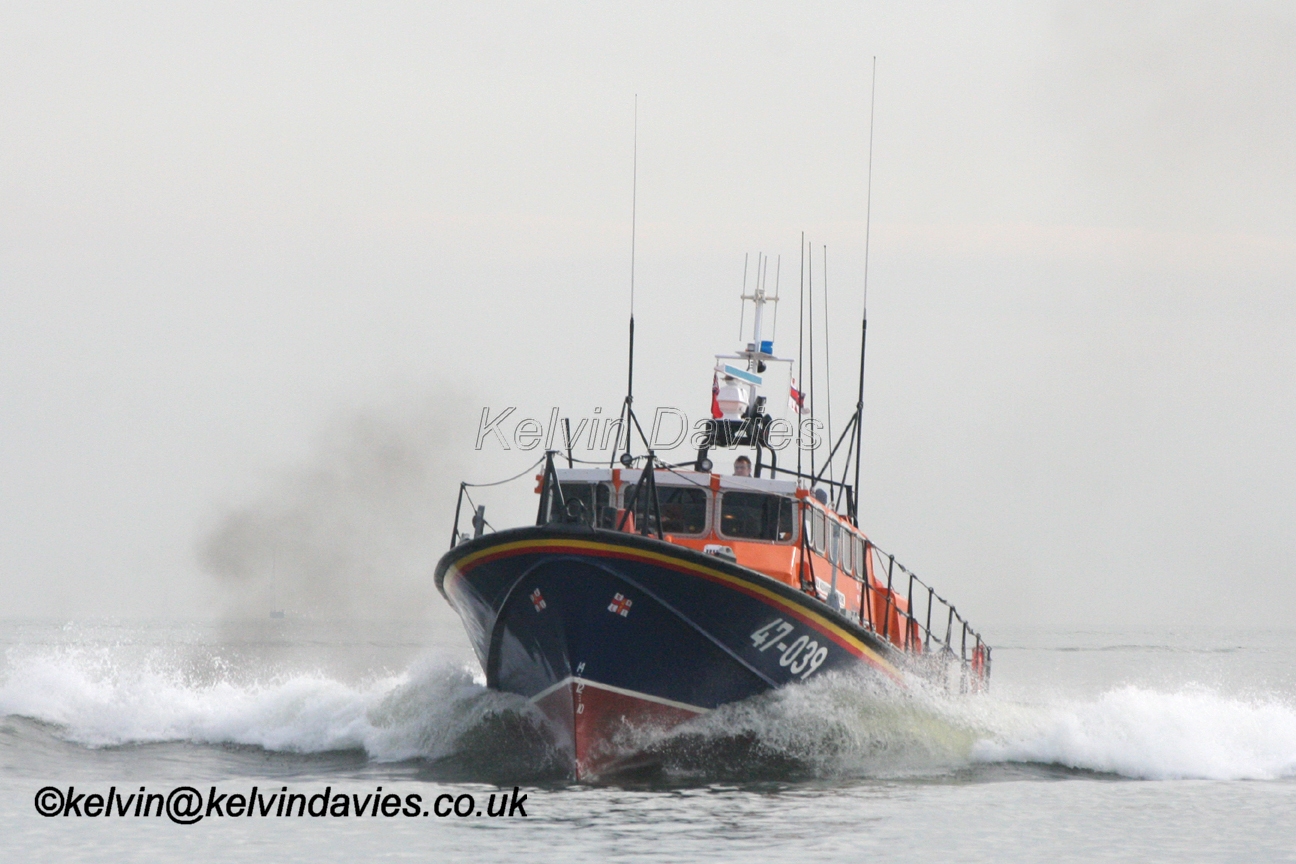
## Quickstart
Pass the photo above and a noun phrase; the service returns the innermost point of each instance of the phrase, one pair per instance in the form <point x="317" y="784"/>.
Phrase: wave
<point x="837" y="726"/>
<point x="1135" y="732"/>
<point x="433" y="711"/>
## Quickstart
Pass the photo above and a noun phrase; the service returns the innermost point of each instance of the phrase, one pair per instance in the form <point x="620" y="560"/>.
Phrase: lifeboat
<point x="648" y="594"/>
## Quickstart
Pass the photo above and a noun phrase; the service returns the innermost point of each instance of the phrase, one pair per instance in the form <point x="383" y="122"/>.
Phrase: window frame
<point x="818" y="530"/>
<point x="708" y="505"/>
<point x="793" y="522"/>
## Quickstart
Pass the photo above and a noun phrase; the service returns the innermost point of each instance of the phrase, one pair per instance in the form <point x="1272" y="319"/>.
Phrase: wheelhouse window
<point x="861" y="562"/>
<point x="579" y="498"/>
<point x="756" y="516"/>
<point x="587" y="504"/>
<point x="683" y="508"/>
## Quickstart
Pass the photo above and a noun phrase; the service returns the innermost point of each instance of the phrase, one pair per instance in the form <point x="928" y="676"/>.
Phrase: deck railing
<point x="973" y="653"/>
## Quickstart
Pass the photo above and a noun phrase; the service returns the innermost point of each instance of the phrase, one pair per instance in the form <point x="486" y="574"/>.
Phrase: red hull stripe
<point x="605" y="550"/>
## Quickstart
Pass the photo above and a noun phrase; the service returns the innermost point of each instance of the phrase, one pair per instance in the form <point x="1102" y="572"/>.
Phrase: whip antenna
<point x="634" y="200"/>
<point x="868" y="219"/>
<point x="627" y="407"/>
<point x="800" y="396"/>
<point x="827" y="353"/>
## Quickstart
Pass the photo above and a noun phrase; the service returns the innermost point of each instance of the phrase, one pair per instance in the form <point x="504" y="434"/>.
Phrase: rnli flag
<point x="796" y="399"/>
<point x="716" y="413"/>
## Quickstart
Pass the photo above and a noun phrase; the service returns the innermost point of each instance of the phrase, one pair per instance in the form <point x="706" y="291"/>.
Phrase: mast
<point x="759" y="298"/>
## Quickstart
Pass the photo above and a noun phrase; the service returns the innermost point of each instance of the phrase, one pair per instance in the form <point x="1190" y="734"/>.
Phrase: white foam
<point x="840" y="724"/>
<point x="850" y="725"/>
<point x="836" y="725"/>
<point x="99" y="702"/>
<point x="1192" y="733"/>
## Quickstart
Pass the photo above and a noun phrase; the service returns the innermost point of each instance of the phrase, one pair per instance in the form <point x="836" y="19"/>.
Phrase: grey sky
<point x="226" y="232"/>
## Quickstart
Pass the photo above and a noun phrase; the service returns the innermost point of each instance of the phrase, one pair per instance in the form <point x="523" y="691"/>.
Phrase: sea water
<point x="1132" y="746"/>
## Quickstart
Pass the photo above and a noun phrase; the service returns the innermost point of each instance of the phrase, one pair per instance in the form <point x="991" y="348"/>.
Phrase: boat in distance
<point x="647" y="594"/>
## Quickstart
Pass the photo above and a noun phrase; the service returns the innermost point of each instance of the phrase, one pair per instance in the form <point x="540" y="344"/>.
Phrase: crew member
<point x="742" y="467"/>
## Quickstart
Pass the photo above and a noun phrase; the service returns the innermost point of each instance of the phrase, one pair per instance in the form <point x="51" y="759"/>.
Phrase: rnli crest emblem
<point x="620" y="605"/>
<point x="537" y="600"/>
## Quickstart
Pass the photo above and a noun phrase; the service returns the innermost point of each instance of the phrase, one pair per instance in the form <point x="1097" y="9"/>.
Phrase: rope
<point x="509" y="480"/>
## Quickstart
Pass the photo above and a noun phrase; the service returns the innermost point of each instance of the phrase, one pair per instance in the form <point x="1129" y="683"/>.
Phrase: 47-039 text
<point x="800" y="655"/>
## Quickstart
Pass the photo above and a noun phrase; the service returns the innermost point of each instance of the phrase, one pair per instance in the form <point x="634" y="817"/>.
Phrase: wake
<point x="839" y="726"/>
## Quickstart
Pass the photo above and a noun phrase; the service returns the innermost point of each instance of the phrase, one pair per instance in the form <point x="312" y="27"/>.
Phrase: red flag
<point x="716" y="413"/>
<point x="796" y="399"/>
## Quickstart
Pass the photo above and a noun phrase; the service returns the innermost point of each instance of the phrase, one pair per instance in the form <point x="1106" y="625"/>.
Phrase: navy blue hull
<point x="582" y="620"/>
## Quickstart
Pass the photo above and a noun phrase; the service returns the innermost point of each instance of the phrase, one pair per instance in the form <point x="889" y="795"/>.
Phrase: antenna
<point x="810" y="313"/>
<point x="868" y="219"/>
<point x="778" y="268"/>
<point x="627" y="407"/>
<point x="801" y="357"/>
<point x="763" y="281"/>
<point x="742" y="304"/>
<point x="634" y="201"/>
<point x="827" y="353"/>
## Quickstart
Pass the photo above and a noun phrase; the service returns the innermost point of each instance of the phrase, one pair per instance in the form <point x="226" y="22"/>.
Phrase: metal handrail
<point x="479" y="513"/>
<point x="978" y="658"/>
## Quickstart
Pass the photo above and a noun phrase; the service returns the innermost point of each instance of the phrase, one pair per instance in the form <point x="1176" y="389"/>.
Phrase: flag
<point x="796" y="399"/>
<point x="716" y="413"/>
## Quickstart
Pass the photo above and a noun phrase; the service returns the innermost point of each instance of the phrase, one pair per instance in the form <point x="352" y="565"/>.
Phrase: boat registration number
<point x="800" y="655"/>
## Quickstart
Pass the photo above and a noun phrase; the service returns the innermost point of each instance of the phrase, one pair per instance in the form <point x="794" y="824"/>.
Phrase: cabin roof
<point x="680" y="478"/>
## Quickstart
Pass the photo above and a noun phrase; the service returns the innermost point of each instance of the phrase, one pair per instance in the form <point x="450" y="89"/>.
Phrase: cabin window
<point x="603" y="509"/>
<point x="861" y="559"/>
<point x="848" y="552"/>
<point x="818" y="527"/>
<point x="683" y="509"/>
<point x="756" y="516"/>
<point x="579" y="498"/>
<point x="587" y="504"/>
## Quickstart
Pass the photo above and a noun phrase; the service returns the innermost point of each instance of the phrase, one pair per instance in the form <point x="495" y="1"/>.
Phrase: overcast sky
<point x="241" y="243"/>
